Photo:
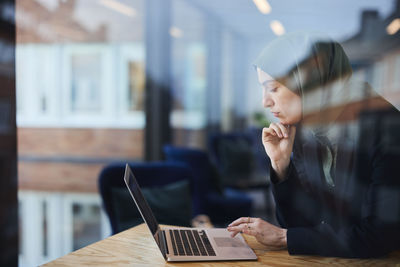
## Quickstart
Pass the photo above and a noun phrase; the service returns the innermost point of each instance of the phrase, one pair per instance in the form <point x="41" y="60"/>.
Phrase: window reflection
<point x="136" y="85"/>
<point x="80" y="101"/>
<point x="189" y="73"/>
<point x="81" y="90"/>
<point x="86" y="224"/>
<point x="85" y="93"/>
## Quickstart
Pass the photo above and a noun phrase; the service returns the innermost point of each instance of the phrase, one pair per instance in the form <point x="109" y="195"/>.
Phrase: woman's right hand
<point x="278" y="142"/>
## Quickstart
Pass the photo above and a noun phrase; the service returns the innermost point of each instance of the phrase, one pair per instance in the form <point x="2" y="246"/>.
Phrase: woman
<point x="334" y="155"/>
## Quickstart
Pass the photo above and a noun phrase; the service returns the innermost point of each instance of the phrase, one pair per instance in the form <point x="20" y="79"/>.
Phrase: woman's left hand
<point x="267" y="234"/>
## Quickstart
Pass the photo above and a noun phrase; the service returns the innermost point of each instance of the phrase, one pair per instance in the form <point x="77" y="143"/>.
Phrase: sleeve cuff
<point x="301" y="241"/>
<point x="274" y="177"/>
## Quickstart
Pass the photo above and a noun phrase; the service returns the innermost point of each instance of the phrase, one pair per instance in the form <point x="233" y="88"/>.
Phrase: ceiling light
<point x="277" y="27"/>
<point x="119" y="7"/>
<point x="393" y="27"/>
<point x="175" y="32"/>
<point x="263" y="6"/>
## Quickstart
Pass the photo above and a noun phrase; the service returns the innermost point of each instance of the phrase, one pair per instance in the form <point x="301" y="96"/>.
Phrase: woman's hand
<point x="274" y="238"/>
<point x="278" y="142"/>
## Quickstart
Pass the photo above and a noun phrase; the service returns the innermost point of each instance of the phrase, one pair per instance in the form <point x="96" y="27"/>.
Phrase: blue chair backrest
<point x="148" y="175"/>
<point x="199" y="162"/>
<point x="216" y="140"/>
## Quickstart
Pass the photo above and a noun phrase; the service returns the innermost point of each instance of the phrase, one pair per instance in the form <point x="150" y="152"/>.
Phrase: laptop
<point x="189" y="244"/>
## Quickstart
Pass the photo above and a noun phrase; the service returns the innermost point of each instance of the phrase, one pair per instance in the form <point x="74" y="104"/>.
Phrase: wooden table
<point x="136" y="247"/>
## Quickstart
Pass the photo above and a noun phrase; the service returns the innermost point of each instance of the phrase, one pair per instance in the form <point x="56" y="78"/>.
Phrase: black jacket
<point x="359" y="216"/>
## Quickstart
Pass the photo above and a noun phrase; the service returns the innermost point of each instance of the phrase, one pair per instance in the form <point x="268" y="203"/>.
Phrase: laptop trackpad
<point x="229" y="242"/>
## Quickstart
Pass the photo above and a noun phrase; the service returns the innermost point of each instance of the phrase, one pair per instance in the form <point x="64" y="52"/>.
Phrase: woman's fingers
<point x="241" y="220"/>
<point x="250" y="231"/>
<point x="236" y="222"/>
<point x="268" y="234"/>
<point x="277" y="129"/>
<point x="284" y="129"/>
<point x="236" y="229"/>
<point x="242" y="225"/>
<point x="281" y="130"/>
<point x="246" y="228"/>
<point x="239" y="228"/>
<point x="269" y="135"/>
<point x="268" y="131"/>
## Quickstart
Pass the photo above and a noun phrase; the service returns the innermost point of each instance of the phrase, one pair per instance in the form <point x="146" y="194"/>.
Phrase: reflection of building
<point x="58" y="24"/>
<point x="375" y="58"/>
<point x="375" y="54"/>
<point x="90" y="92"/>
<point x="79" y="106"/>
<point x="81" y="74"/>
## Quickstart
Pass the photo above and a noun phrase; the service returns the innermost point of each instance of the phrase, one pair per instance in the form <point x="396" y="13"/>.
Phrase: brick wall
<point x="71" y="159"/>
<point x="91" y="143"/>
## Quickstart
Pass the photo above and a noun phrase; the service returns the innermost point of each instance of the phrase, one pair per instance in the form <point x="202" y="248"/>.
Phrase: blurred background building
<point x="99" y="81"/>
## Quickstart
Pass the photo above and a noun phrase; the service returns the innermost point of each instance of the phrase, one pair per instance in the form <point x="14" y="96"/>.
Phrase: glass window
<point x="396" y="77"/>
<point x="86" y="225"/>
<point x="85" y="93"/>
<point x="189" y="73"/>
<point x="80" y="106"/>
<point x="84" y="77"/>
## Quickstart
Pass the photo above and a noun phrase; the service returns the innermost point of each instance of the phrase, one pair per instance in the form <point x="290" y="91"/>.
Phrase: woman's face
<point x="282" y="102"/>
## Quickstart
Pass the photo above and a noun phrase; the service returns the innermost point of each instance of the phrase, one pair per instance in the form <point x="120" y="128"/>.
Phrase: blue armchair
<point x="167" y="187"/>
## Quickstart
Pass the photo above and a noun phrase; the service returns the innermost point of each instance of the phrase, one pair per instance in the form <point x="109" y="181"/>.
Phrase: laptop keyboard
<point x="191" y="243"/>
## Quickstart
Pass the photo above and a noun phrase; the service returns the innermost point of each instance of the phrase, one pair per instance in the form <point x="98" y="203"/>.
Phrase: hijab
<point x="305" y="63"/>
<point x="317" y="69"/>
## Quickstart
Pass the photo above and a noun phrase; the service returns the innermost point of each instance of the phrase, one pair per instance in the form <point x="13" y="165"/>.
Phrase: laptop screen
<point x="142" y="204"/>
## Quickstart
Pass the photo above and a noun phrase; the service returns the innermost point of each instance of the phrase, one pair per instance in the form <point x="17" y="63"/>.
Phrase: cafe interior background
<point x="103" y="81"/>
